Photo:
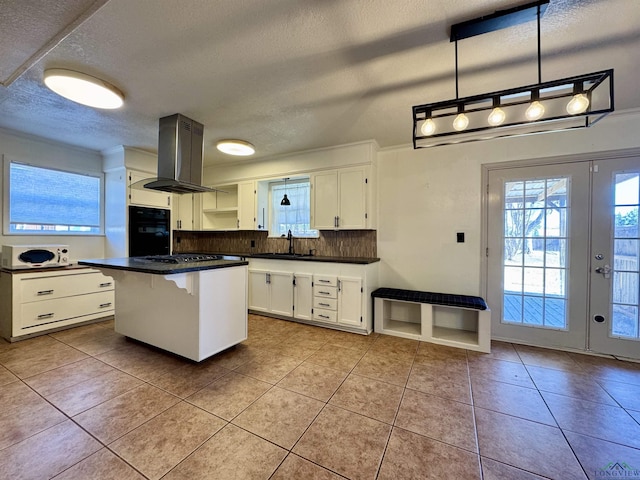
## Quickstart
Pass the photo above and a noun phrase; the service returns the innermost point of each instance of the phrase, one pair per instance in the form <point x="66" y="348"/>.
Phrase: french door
<point x="563" y="251"/>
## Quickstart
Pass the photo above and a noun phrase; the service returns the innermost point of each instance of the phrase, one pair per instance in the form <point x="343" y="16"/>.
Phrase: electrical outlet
<point x="460" y="237"/>
<point x="253" y="243"/>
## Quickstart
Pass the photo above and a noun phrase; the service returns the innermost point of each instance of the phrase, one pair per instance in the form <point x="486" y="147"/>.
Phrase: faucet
<point x="290" y="238"/>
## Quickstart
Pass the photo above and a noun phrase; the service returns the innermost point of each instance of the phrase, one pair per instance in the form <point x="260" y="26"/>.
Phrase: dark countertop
<point x="305" y="258"/>
<point x="141" y="265"/>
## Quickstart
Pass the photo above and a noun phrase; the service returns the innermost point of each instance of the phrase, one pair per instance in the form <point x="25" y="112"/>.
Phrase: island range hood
<point x="180" y="153"/>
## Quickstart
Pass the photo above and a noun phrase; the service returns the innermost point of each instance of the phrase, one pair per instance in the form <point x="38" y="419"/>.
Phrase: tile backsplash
<point x="339" y="243"/>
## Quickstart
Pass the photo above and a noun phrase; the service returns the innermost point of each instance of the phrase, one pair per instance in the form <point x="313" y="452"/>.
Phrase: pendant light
<point x="285" y="201"/>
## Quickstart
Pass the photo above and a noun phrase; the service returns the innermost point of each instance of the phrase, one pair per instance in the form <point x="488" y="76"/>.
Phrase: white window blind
<point x="295" y="217"/>
<point x="48" y="201"/>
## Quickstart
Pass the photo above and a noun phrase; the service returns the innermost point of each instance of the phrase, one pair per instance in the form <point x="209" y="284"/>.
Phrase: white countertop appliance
<point x="16" y="257"/>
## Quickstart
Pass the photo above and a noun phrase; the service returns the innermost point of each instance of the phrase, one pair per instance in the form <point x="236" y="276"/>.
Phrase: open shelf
<point x="446" y="334"/>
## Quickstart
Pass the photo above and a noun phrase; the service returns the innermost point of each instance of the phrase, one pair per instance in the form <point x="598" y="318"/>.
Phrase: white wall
<point x="28" y="149"/>
<point x="425" y="196"/>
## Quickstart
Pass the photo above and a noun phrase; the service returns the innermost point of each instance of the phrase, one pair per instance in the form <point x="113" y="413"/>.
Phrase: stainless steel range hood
<point x="180" y="153"/>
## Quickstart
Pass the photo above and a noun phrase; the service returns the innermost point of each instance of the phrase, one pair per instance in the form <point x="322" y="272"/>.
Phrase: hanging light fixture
<point x="574" y="102"/>
<point x="82" y="88"/>
<point x="285" y="201"/>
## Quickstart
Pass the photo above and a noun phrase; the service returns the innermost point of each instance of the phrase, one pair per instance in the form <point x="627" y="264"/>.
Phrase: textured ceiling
<point x="288" y="75"/>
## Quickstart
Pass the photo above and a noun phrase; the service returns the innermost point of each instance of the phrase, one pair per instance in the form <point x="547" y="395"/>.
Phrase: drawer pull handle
<point x="324" y="281"/>
<point x="45" y="292"/>
<point x="324" y="304"/>
<point x="105" y="305"/>
<point x="324" y="316"/>
<point x="45" y="315"/>
<point x="325" y="293"/>
<point x="106" y="284"/>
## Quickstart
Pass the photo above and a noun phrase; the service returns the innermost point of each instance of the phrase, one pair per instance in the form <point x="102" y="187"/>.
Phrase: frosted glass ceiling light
<point x="428" y="127"/>
<point x="84" y="89"/>
<point x="534" y="108"/>
<point x="238" y="148"/>
<point x="578" y="104"/>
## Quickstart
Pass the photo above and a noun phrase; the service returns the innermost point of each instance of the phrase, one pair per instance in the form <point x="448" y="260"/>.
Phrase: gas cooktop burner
<point x="182" y="258"/>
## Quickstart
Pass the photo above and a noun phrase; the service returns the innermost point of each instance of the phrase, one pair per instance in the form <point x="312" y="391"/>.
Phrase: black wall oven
<point x="149" y="232"/>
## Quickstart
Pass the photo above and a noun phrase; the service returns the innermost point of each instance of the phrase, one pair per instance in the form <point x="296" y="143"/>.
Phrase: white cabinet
<point x="271" y="292"/>
<point x="35" y="302"/>
<point x="303" y="296"/>
<point x="183" y="208"/>
<point x="335" y="295"/>
<point x="138" y="195"/>
<point x="232" y="207"/>
<point x="339" y="199"/>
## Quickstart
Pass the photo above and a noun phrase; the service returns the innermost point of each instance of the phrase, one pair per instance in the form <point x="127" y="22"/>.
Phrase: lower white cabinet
<point x="35" y="302"/>
<point x="271" y="292"/>
<point x="336" y="295"/>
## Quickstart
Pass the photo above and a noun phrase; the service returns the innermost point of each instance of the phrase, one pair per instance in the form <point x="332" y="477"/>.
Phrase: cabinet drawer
<point x="326" y="292"/>
<point x="323" y="315"/>
<point x="57" y="309"/>
<point x="324" y="280"/>
<point x="325" y="303"/>
<point x="47" y="288"/>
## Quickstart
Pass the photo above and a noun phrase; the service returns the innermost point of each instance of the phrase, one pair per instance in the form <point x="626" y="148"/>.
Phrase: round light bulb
<point x="461" y="122"/>
<point x="578" y="104"/>
<point x="82" y="88"/>
<point x="236" y="147"/>
<point x="496" y="117"/>
<point x="535" y="111"/>
<point x="428" y="127"/>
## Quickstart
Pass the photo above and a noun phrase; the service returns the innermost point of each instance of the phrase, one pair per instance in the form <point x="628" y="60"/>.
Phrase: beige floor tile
<point x="102" y="465"/>
<point x="501" y="371"/>
<point x="269" y="368"/>
<point x="48" y="453"/>
<point x="229" y="395"/>
<point x="530" y="446"/>
<point x="157" y="446"/>
<point x="440" y="381"/>
<point x="39" y="357"/>
<point x="599" y="458"/>
<point x="6" y="376"/>
<point x="118" y="416"/>
<point x="100" y="341"/>
<point x="604" y="368"/>
<point x="74" y="335"/>
<point x="352" y="341"/>
<point x="410" y="456"/>
<point x="569" y="384"/>
<point x="544" y="357"/>
<point x="141" y="361"/>
<point x="236" y="356"/>
<point x="24" y="413"/>
<point x="188" y="379"/>
<point x="513" y="400"/>
<point x="438" y="418"/>
<point x="313" y="381"/>
<point x="295" y="467"/>
<point x="230" y="453"/>
<point x="85" y="395"/>
<point x="493" y="470"/>
<point x="368" y="397"/>
<point x="63" y="377"/>
<point x="384" y="368"/>
<point x="347" y="443"/>
<point x="602" y="421"/>
<point x="279" y="416"/>
<point x="499" y="351"/>
<point x="442" y="352"/>
<point x="339" y="358"/>
<point x="627" y="395"/>
<point x="297" y="350"/>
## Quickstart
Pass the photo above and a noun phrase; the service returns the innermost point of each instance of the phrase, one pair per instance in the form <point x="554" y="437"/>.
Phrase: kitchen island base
<point x="192" y="314"/>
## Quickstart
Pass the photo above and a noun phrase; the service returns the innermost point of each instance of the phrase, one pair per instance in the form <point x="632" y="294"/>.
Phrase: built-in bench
<point x="461" y="321"/>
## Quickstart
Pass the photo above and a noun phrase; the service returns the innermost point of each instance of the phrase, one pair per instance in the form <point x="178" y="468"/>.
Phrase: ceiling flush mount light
<point x="574" y="102"/>
<point x="82" y="88"/>
<point x="238" y="148"/>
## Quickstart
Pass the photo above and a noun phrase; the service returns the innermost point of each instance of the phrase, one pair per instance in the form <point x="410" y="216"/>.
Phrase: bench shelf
<point x="454" y="320"/>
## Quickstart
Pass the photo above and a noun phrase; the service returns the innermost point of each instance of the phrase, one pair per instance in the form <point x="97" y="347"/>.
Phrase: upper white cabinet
<point x="183" y="208"/>
<point x="340" y="199"/>
<point x="232" y="207"/>
<point x="138" y="195"/>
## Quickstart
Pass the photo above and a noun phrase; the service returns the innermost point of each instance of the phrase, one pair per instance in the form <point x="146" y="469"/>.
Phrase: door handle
<point x="604" y="270"/>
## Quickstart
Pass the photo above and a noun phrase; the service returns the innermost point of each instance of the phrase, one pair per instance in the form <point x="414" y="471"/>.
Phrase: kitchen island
<point x="193" y="308"/>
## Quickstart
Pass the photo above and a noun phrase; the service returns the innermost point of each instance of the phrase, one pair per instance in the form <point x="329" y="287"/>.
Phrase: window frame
<point x="6" y="195"/>
<point x="278" y="183"/>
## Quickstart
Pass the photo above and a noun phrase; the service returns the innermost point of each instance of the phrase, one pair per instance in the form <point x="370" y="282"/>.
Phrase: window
<point x="51" y="202"/>
<point x="295" y="217"/>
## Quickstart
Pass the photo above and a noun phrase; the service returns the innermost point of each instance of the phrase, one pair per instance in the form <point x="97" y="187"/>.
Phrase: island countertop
<point x="143" y="265"/>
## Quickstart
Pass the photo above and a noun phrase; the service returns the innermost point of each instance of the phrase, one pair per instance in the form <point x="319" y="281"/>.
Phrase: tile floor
<point x="300" y="402"/>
